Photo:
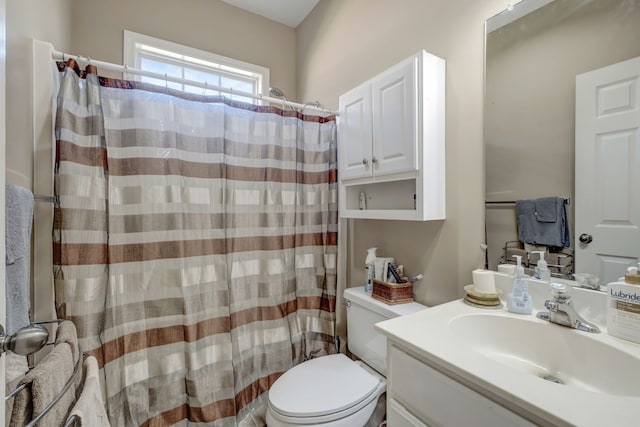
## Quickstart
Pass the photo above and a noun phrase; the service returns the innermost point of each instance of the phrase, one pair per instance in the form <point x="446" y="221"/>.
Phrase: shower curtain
<point x="195" y="244"/>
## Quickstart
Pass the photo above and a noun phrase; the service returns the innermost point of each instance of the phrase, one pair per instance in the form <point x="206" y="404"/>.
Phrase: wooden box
<point x="392" y="293"/>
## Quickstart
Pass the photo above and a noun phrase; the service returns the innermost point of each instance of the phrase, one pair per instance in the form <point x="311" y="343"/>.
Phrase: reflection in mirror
<point x="534" y="54"/>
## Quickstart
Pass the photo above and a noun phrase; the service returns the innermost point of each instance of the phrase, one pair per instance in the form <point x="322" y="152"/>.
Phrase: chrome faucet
<point x="561" y="310"/>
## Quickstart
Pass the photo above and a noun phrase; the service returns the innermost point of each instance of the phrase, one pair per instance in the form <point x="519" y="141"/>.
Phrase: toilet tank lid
<point x="322" y="386"/>
<point x="359" y="296"/>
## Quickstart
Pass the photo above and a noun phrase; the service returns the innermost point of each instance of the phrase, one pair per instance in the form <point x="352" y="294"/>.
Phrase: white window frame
<point x="135" y="43"/>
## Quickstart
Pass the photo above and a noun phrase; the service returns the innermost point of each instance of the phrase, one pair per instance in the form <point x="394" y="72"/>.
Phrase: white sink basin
<point x="550" y="352"/>
<point x="503" y="356"/>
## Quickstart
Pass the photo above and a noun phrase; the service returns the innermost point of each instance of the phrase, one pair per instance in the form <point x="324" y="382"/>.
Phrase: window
<point x="175" y="60"/>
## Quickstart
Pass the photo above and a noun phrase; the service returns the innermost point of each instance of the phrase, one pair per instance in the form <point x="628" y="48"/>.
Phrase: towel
<point x="44" y="382"/>
<point x="19" y="217"/>
<point x="547" y="208"/>
<point x="66" y="333"/>
<point x="530" y="230"/>
<point x="526" y="214"/>
<point x="89" y="408"/>
<point x="16" y="368"/>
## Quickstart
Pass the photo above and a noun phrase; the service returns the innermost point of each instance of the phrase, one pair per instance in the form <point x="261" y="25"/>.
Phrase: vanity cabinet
<point x="391" y="143"/>
<point x="419" y="395"/>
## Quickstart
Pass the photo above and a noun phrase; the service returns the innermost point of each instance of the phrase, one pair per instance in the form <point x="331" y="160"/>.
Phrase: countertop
<point x="427" y="335"/>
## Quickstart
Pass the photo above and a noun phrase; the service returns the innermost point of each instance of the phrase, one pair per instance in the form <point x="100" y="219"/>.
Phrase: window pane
<point x="235" y="84"/>
<point x="201" y="76"/>
<point x="182" y="64"/>
<point x="160" y="67"/>
<point x="155" y="66"/>
<point x="240" y="85"/>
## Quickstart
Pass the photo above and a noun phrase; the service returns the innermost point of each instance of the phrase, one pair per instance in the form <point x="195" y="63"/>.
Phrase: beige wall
<point x="209" y="25"/>
<point x="26" y="20"/>
<point x="95" y="28"/>
<point x="530" y="127"/>
<point x="343" y="43"/>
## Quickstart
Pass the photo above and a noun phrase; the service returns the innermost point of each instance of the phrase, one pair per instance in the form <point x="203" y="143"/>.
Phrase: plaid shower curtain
<point x="195" y="245"/>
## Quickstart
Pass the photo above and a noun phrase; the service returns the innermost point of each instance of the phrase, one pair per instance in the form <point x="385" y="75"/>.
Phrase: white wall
<point x="343" y="43"/>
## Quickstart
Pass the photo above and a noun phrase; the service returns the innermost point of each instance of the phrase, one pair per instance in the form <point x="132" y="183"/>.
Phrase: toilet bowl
<point x="328" y="391"/>
<point x="335" y="391"/>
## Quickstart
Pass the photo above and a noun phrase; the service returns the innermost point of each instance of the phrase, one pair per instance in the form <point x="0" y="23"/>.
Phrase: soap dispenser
<point x="542" y="272"/>
<point x="368" y="265"/>
<point x="519" y="300"/>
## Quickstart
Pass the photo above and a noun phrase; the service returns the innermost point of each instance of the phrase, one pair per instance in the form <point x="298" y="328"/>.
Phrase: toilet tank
<point x="362" y="313"/>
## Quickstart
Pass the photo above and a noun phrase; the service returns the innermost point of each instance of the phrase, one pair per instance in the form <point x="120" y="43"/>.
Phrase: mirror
<point x="534" y="51"/>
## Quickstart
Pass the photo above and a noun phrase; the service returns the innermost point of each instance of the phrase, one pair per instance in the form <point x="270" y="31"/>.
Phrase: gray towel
<point x="89" y="409"/>
<point x="530" y="230"/>
<point x="526" y="215"/>
<point x="547" y="208"/>
<point x="19" y="217"/>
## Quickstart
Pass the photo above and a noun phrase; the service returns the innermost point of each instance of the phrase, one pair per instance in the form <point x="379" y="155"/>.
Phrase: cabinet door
<point x="395" y="119"/>
<point x="398" y="416"/>
<point x="437" y="399"/>
<point x="354" y="133"/>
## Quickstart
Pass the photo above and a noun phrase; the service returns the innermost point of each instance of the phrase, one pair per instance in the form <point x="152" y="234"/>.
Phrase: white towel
<point x="89" y="408"/>
<point x="19" y="217"/>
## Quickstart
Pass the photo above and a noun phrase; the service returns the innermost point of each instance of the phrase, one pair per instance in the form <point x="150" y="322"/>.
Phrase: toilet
<point x="335" y="391"/>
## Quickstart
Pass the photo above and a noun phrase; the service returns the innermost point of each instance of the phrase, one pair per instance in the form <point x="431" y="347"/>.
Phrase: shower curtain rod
<point x="62" y="56"/>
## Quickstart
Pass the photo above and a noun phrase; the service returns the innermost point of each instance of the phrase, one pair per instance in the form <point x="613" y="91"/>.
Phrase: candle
<point x="483" y="282"/>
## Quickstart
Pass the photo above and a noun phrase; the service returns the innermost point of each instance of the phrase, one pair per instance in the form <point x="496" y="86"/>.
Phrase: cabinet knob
<point x="374" y="160"/>
<point x="365" y="162"/>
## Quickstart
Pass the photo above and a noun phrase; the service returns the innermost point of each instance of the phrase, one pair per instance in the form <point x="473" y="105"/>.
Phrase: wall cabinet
<point x="419" y="395"/>
<point x="391" y="143"/>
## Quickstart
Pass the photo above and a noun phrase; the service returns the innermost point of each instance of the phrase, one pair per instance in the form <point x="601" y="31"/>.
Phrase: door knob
<point x="585" y="238"/>
<point x="365" y="162"/>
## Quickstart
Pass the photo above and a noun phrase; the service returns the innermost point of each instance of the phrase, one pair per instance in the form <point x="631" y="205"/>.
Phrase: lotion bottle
<point x="623" y="306"/>
<point x="519" y="300"/>
<point x="542" y="272"/>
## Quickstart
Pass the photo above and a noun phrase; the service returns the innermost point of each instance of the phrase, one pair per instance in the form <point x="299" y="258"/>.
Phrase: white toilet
<point x="335" y="391"/>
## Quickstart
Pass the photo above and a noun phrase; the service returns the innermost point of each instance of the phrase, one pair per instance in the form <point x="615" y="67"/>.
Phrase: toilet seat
<point x="322" y="390"/>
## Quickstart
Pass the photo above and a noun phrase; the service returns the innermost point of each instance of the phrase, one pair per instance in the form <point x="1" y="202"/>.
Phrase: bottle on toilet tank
<point x="368" y="265"/>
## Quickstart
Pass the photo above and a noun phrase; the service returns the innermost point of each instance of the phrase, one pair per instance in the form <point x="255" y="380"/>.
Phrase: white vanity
<point x="455" y="365"/>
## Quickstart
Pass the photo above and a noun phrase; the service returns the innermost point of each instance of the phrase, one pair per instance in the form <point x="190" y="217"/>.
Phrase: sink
<point x="504" y="357"/>
<point x="550" y="352"/>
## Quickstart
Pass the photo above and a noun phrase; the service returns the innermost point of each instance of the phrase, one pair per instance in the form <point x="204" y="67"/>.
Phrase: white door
<point x="607" y="175"/>
<point x="354" y="133"/>
<point x="395" y="121"/>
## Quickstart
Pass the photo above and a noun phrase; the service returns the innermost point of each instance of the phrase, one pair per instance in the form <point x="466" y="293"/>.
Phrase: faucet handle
<point x="560" y="292"/>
